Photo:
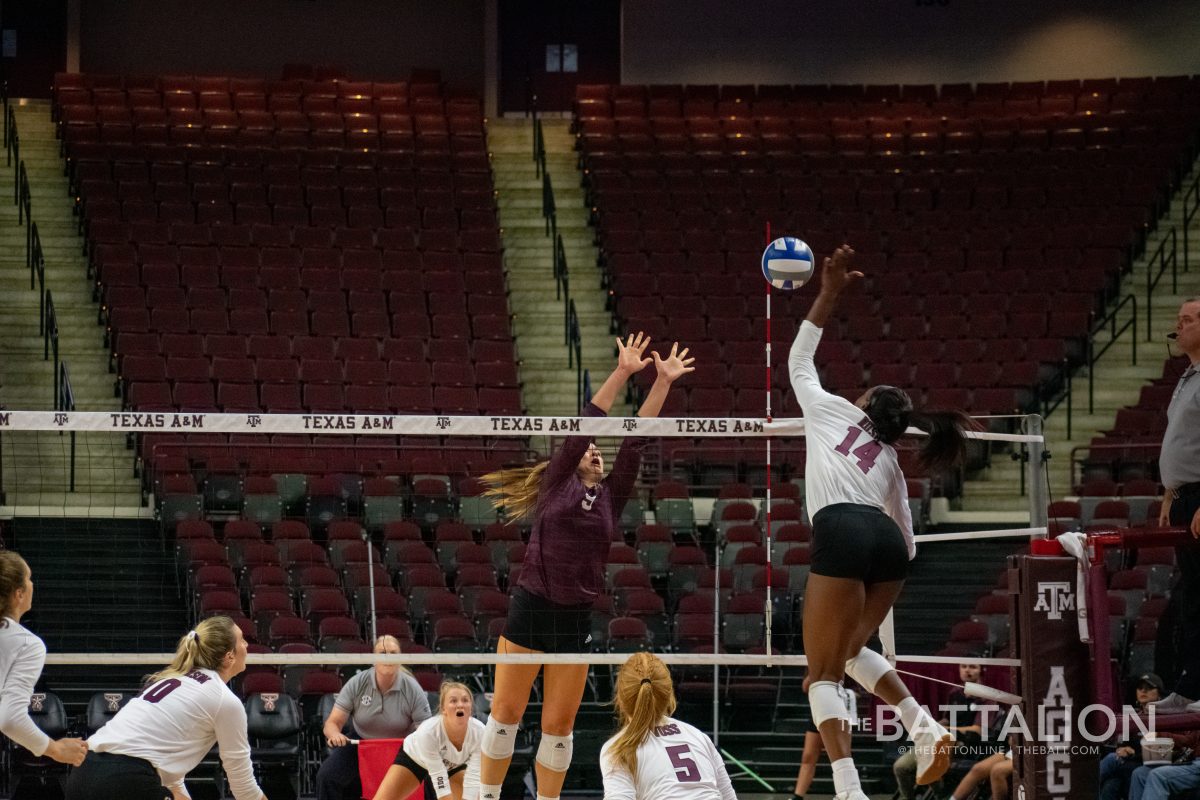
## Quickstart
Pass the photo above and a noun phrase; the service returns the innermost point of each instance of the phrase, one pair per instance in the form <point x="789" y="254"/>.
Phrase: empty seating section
<point x="991" y="222"/>
<point x="1129" y="452"/>
<point x="291" y="246"/>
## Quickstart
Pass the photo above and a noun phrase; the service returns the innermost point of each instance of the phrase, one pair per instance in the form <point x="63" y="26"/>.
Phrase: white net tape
<point x="433" y="425"/>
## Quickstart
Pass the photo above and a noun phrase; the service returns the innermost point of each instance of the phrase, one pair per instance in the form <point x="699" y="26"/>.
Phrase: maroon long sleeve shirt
<point x="568" y="548"/>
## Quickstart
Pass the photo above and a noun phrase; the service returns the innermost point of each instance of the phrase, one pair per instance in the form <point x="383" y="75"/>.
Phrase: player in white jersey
<point x="862" y="538"/>
<point x="149" y="747"/>
<point x="654" y="756"/>
<point x="444" y="750"/>
<point x="22" y="656"/>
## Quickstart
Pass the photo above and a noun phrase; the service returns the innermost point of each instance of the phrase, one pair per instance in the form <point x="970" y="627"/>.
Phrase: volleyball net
<point x="327" y="530"/>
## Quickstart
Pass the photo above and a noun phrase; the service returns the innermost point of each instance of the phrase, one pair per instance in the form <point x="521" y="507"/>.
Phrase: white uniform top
<point x="430" y="747"/>
<point x="844" y="462"/>
<point x="22" y="656"/>
<point x="174" y="723"/>
<point x="674" y="762"/>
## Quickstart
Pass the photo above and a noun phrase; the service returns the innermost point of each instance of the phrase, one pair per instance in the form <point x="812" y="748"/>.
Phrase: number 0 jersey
<point x="674" y="762"/>
<point x="174" y="723"/>
<point x="844" y="462"/>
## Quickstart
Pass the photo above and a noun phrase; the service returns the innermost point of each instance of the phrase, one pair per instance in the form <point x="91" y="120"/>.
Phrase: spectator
<point x="1163" y="782"/>
<point x="1117" y="768"/>
<point x="967" y="737"/>
<point x="995" y="770"/>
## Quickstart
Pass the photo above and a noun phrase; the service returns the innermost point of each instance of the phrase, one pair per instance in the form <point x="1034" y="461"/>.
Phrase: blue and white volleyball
<point x="788" y="263"/>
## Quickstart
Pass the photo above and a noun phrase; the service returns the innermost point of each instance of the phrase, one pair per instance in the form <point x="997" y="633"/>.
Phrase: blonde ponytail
<point x="205" y="647"/>
<point x="515" y="491"/>
<point x="644" y="696"/>
<point x="13" y="572"/>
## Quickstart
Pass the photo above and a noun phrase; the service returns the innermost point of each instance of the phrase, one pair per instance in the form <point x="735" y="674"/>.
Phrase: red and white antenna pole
<point x="767" y="439"/>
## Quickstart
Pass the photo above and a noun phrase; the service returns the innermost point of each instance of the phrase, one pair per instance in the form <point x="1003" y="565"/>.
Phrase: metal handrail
<point x="548" y="207"/>
<point x="1152" y="278"/>
<point x="1192" y="193"/>
<point x="1110" y="320"/>
<point x="575" y="352"/>
<point x="35" y="261"/>
<point x="24" y="197"/>
<point x="64" y="400"/>
<point x="1140" y="451"/>
<point x="50" y="331"/>
<point x="12" y="142"/>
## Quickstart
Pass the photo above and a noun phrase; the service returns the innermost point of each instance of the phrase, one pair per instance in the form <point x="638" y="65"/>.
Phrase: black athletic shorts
<point x="403" y="759"/>
<point x="111" y="776"/>
<point x="536" y="623"/>
<point x="860" y="542"/>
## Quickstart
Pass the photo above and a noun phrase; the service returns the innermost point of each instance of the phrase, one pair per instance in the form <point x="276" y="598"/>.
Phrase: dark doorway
<point x="548" y="47"/>
<point x="34" y="45"/>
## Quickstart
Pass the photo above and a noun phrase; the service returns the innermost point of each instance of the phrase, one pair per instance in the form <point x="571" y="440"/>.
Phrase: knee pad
<point x="554" y="752"/>
<point x="499" y="740"/>
<point x="826" y="701"/>
<point x="867" y="668"/>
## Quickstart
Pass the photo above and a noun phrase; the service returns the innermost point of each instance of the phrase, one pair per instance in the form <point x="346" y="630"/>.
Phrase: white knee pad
<point x="499" y="740"/>
<point x="826" y="701"/>
<point x="867" y="668"/>
<point x="554" y="752"/>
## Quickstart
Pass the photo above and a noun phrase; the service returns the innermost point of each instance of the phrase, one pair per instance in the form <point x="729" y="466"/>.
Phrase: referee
<point x="383" y="702"/>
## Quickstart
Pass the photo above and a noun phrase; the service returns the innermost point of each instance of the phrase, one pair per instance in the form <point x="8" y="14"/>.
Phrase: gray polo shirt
<point x="1179" y="461"/>
<point x="393" y="714"/>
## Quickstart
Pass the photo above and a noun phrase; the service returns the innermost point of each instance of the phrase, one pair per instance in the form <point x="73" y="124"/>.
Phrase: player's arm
<point x="836" y="277"/>
<point x="724" y="784"/>
<point x="233" y="743"/>
<point x="618" y="783"/>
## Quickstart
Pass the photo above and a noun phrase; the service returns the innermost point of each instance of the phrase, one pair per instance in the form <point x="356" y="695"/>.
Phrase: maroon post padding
<point x="1055" y="762"/>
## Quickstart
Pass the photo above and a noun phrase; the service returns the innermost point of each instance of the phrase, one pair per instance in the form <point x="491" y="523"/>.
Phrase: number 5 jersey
<point x="674" y="762"/>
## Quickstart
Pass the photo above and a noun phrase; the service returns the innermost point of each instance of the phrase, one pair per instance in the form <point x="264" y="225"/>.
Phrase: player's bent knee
<point x="554" y="752"/>
<point x="867" y="668"/>
<point x="499" y="739"/>
<point x="827" y="702"/>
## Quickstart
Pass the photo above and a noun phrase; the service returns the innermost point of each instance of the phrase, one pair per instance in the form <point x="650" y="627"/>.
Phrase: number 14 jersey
<point x="843" y="462"/>
<point x="674" y="762"/>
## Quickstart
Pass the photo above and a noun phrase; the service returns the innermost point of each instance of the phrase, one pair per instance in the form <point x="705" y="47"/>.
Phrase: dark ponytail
<point x="890" y="410"/>
<point x="946" y="443"/>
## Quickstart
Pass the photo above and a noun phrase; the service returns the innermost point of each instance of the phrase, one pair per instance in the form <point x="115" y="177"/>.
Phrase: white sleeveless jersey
<point x="175" y="722"/>
<point x="430" y="747"/>
<point x="843" y="463"/>
<point x="674" y="762"/>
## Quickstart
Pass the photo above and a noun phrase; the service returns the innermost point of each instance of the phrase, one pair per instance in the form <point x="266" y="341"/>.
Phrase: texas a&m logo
<point x="1054" y="597"/>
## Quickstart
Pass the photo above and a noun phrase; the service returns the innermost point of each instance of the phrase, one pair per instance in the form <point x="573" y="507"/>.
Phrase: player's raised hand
<point x="836" y="272"/>
<point x="674" y="366"/>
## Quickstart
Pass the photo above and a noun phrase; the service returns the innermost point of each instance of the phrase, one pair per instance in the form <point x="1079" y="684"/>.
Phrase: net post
<point x="1032" y="424"/>
<point x="716" y="698"/>
<point x="370" y="582"/>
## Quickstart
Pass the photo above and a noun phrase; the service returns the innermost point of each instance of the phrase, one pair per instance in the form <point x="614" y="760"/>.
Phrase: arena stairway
<point x="549" y="385"/>
<point x="101" y="585"/>
<point x="36" y="465"/>
<point x="1117" y="379"/>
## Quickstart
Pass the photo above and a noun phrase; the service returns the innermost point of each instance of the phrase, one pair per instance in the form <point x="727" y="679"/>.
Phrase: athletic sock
<point x="910" y="713"/>
<point x="489" y="791"/>
<point x="845" y="776"/>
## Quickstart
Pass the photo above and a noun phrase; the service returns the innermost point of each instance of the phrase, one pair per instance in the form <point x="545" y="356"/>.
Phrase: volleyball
<point x="788" y="263"/>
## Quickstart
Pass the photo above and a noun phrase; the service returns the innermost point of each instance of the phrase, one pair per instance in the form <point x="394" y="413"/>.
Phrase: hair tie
<point x="646" y="680"/>
<point x="196" y="636"/>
